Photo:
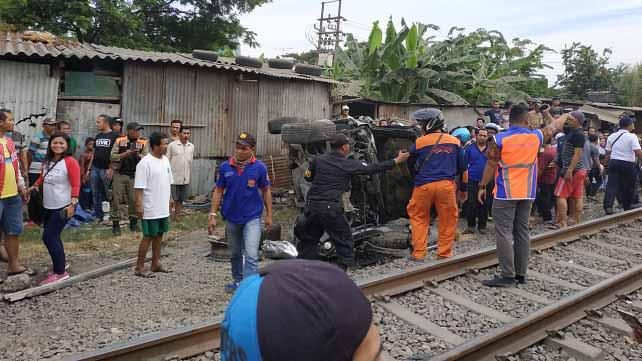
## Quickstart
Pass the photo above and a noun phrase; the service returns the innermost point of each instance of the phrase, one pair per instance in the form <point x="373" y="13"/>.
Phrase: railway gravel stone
<point x="566" y="255"/>
<point x="550" y="291"/>
<point x="564" y="273"/>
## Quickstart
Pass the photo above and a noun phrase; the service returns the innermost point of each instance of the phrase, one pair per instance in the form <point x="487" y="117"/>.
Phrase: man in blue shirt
<point x="475" y="155"/>
<point x="244" y="187"/>
<point x="495" y="113"/>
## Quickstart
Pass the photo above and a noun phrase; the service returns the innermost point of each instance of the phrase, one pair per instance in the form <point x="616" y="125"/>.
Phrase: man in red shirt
<point x="546" y="175"/>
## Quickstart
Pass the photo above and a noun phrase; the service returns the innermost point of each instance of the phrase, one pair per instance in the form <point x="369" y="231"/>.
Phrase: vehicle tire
<point x="275" y="125"/>
<point x="280" y="63"/>
<point x="205" y="55"/>
<point x="308" y="69"/>
<point x="248" y="61"/>
<point x="308" y="132"/>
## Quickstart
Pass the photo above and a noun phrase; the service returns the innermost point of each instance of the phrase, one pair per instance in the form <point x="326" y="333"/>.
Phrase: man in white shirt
<point x="621" y="149"/>
<point x="153" y="198"/>
<point x="181" y="155"/>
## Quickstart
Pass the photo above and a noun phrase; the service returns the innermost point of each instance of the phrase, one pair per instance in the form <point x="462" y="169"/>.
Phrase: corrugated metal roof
<point x="13" y="44"/>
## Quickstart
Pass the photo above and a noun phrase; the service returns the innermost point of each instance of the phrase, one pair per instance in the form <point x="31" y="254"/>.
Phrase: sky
<point x="617" y="24"/>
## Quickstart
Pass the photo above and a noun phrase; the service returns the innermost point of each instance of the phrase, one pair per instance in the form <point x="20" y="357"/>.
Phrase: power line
<point x="329" y="33"/>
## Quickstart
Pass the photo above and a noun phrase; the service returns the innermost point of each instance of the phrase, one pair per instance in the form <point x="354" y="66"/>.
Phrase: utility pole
<point x="329" y="32"/>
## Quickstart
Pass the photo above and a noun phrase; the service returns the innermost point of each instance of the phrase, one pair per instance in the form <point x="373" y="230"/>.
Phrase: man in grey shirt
<point x="591" y="156"/>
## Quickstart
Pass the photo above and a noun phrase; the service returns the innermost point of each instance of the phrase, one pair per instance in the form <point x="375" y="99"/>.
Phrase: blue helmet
<point x="462" y="134"/>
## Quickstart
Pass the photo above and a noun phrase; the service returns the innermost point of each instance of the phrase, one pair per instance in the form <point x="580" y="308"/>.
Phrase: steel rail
<point x="193" y="340"/>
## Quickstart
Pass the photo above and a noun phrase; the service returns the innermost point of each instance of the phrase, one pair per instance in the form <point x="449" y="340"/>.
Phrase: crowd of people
<point x="55" y="179"/>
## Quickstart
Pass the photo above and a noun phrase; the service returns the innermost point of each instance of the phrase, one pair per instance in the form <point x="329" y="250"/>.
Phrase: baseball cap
<point x="493" y="126"/>
<point x="338" y="140"/>
<point x="345" y="107"/>
<point x="626" y="121"/>
<point x="134" y="126"/>
<point x="113" y="120"/>
<point x="49" y="121"/>
<point x="579" y="116"/>
<point x="245" y="138"/>
<point x="296" y="310"/>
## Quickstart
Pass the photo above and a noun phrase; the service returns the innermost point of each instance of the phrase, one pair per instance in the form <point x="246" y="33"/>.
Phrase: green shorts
<point x="155" y="227"/>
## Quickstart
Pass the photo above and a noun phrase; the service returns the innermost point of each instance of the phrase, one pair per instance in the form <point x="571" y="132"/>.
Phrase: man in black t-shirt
<point x="101" y="171"/>
<point x="572" y="172"/>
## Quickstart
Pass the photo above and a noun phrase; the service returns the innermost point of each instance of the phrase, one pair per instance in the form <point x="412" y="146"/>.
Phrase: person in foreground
<point x="512" y="156"/>
<point x="299" y="310"/>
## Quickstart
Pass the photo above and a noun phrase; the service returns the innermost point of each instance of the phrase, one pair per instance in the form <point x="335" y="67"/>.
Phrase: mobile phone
<point x="630" y="319"/>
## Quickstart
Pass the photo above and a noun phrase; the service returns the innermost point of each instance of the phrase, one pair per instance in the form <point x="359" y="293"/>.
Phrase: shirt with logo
<point x="516" y="175"/>
<point x="495" y="116"/>
<point x="102" y="151"/>
<point x="242" y="200"/>
<point x="10" y="187"/>
<point x="445" y="162"/>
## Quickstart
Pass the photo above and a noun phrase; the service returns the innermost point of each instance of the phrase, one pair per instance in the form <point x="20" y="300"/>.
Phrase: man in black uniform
<point x="331" y="175"/>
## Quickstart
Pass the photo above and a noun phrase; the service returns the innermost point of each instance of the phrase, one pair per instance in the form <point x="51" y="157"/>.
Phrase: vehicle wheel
<point x="280" y="63"/>
<point x="205" y="55"/>
<point x="275" y="125"/>
<point x="248" y="61"/>
<point x="307" y="69"/>
<point x="308" y="132"/>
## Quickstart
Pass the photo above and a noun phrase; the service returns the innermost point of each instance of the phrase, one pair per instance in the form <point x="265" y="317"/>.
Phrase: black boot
<point x="133" y="225"/>
<point x="115" y="228"/>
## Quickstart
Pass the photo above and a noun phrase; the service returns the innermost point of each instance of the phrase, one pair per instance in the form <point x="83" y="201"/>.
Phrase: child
<point x="86" y="200"/>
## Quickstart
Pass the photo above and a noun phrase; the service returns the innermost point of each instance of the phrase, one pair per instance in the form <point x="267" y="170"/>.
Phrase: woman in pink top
<point x="60" y="181"/>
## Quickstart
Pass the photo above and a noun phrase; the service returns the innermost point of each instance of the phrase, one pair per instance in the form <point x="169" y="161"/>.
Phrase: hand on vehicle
<point x="481" y="195"/>
<point x="402" y="157"/>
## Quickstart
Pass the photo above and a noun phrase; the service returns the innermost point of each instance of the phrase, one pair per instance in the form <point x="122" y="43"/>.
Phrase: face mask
<point x="567" y="129"/>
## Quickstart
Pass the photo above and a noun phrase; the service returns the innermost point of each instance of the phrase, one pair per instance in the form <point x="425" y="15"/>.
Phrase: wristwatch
<point x="212" y="214"/>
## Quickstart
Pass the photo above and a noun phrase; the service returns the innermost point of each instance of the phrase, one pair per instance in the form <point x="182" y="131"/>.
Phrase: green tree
<point x="307" y="57"/>
<point x="629" y="85"/>
<point x="411" y="66"/>
<point x="585" y="70"/>
<point x="164" y="25"/>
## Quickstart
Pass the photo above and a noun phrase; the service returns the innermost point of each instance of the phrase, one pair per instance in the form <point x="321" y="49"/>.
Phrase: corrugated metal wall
<point x="27" y="88"/>
<point x="456" y="116"/>
<point x="218" y="104"/>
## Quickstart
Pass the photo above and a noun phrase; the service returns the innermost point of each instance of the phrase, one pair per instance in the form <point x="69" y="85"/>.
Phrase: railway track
<point x="580" y="289"/>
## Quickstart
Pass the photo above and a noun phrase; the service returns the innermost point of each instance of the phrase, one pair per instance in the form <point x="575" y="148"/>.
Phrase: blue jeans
<point x="99" y="189"/>
<point x="53" y="225"/>
<point x="244" y="241"/>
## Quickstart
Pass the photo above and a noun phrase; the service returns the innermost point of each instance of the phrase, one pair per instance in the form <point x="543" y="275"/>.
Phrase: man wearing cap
<point x="570" y="186"/>
<point x="512" y="160"/>
<point x="116" y="125"/>
<point x="244" y="187"/>
<point x="127" y="151"/>
<point x="345" y="113"/>
<point x="299" y="310"/>
<point x="181" y="155"/>
<point x="331" y="176"/>
<point x="101" y="171"/>
<point x="621" y="149"/>
<point x="35" y="156"/>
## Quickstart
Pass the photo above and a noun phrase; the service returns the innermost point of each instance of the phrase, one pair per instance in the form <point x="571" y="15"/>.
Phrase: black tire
<point x="249" y="62"/>
<point x="280" y="63"/>
<point x="275" y="125"/>
<point x="308" y="69"/>
<point x="205" y="55"/>
<point x="308" y="132"/>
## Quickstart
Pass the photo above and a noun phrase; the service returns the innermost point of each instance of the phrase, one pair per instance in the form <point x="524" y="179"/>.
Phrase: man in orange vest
<point x="512" y="159"/>
<point x="436" y="159"/>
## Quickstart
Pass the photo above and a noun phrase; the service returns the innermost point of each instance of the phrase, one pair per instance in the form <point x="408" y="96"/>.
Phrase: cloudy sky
<point x="617" y="24"/>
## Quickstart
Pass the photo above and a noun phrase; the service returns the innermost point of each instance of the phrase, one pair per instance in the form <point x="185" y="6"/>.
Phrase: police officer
<point x="127" y="151"/>
<point x="330" y="175"/>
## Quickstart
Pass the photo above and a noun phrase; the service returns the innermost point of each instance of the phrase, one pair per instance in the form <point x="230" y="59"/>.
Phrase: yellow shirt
<point x="10" y="187"/>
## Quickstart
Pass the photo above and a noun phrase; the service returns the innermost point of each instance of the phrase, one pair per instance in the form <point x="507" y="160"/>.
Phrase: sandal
<point x="161" y="270"/>
<point x="28" y="271"/>
<point x="554" y="226"/>
<point x="144" y="274"/>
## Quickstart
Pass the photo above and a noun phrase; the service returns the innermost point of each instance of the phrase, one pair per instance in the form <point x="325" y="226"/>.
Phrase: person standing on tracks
<point x="622" y="147"/>
<point x="13" y="194"/>
<point x="60" y="182"/>
<point x="436" y="159"/>
<point x="570" y="186"/>
<point x="153" y="200"/>
<point x="476" y="213"/>
<point x="299" y="310"/>
<point x="127" y="151"/>
<point x="181" y="156"/>
<point x="512" y="156"/>
<point x="244" y="187"/>
<point x="331" y="175"/>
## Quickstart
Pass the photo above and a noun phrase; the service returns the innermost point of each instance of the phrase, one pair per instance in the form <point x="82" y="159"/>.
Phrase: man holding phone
<point x="128" y="150"/>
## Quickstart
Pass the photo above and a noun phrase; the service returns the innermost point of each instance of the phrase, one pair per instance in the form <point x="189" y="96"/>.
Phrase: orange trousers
<point x="441" y="194"/>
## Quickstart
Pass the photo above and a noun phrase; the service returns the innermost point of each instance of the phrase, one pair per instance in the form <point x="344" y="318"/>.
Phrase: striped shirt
<point x="38" y="148"/>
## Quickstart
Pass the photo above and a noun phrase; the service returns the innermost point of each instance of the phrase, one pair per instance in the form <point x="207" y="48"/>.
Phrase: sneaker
<point x="54" y="278"/>
<point x="498" y="281"/>
<point x="608" y="211"/>
<point x="231" y="287"/>
<point x="469" y="230"/>
<point x="414" y="259"/>
<point x="521" y="280"/>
